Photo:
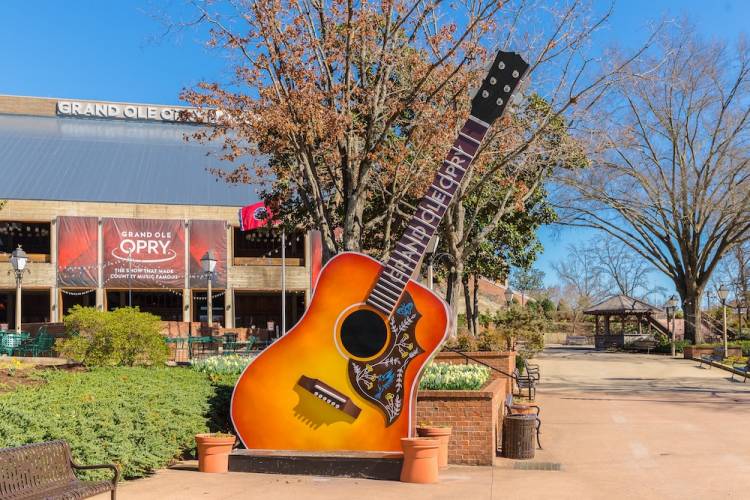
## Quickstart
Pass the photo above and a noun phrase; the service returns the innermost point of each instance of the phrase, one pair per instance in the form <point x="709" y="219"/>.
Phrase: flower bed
<point x="696" y="351"/>
<point x="466" y="398"/>
<point x="222" y="365"/>
<point x="446" y="376"/>
<point x="504" y="361"/>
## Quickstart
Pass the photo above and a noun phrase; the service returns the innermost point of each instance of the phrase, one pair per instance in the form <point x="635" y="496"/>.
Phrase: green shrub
<point x="222" y="365"/>
<point x="138" y="418"/>
<point x="123" y="337"/>
<point x="445" y="376"/>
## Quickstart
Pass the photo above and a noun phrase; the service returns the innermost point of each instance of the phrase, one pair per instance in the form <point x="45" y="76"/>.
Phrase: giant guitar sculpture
<point x="345" y="377"/>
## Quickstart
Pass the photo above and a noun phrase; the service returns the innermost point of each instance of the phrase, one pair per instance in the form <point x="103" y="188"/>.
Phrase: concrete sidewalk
<point x="614" y="426"/>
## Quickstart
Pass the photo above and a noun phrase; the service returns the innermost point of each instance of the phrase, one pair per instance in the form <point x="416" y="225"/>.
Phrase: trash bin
<point x="518" y="436"/>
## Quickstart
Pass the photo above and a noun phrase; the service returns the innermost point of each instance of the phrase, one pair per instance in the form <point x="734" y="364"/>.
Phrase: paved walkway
<point x="615" y="426"/>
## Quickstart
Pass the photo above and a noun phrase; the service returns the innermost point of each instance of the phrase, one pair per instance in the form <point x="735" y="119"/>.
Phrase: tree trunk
<point x="467" y="305"/>
<point x="475" y="314"/>
<point x="451" y="295"/>
<point x="691" y="308"/>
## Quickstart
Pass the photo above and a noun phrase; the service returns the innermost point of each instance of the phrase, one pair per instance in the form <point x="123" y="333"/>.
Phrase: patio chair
<point x="11" y="341"/>
<point x="238" y="347"/>
<point x="38" y="345"/>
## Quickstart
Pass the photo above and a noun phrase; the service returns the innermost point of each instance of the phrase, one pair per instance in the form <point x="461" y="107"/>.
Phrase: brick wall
<point x="473" y="416"/>
<point x="504" y="361"/>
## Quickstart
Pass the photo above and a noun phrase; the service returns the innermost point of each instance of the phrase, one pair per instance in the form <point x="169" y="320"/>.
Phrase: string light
<point x="78" y="294"/>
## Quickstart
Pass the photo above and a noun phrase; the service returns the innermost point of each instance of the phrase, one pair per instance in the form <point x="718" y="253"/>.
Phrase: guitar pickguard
<point x="381" y="380"/>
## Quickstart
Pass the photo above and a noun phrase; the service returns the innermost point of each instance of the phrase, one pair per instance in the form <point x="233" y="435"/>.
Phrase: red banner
<point x="143" y="253"/>
<point x="208" y="235"/>
<point x="255" y="216"/>
<point x="76" y="251"/>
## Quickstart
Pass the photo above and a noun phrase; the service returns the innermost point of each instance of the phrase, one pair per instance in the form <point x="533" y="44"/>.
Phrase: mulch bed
<point x="11" y="380"/>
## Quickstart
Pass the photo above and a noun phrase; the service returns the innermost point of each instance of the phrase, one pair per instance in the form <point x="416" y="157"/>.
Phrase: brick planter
<point x="473" y="415"/>
<point x="502" y="360"/>
<point x="692" y="352"/>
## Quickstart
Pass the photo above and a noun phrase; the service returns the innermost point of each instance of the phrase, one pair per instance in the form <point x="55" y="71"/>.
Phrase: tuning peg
<point x="485" y="94"/>
<point x="501" y="65"/>
<point x="515" y="73"/>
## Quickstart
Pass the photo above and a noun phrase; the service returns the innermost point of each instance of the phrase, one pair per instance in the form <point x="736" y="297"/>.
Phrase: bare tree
<point x="624" y="270"/>
<point x="672" y="174"/>
<point x="581" y="278"/>
<point x="734" y="272"/>
<point x="564" y="83"/>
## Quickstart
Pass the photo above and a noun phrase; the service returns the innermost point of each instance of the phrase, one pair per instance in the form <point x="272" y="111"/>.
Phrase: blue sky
<point x="115" y="51"/>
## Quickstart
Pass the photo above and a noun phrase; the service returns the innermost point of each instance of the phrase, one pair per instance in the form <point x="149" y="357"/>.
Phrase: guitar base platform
<point x="358" y="464"/>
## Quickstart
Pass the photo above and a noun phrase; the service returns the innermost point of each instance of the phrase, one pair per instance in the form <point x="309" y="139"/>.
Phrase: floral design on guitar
<point x="381" y="380"/>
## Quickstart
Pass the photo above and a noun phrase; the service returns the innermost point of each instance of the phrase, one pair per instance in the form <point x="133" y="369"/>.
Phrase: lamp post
<point x="508" y="296"/>
<point x="208" y="263"/>
<point x="671" y="306"/>
<point x="18" y="261"/>
<point x="723" y="293"/>
<point x="130" y="277"/>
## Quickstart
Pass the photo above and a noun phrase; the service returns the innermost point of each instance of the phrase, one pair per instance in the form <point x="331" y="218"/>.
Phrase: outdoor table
<point x="518" y="436"/>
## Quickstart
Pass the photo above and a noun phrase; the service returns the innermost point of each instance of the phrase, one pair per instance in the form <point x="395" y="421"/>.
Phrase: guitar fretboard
<point x="408" y="252"/>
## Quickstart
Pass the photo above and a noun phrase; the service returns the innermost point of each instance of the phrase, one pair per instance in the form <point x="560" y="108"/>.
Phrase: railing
<point x="717" y="327"/>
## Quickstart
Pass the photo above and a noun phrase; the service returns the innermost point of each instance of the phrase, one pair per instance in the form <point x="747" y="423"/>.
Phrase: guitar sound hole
<point x="363" y="334"/>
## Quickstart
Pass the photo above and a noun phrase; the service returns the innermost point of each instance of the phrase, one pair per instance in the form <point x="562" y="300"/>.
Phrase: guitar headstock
<point x="498" y="86"/>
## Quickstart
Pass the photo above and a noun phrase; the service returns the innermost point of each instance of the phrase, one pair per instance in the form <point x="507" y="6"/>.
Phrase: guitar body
<point x="272" y="409"/>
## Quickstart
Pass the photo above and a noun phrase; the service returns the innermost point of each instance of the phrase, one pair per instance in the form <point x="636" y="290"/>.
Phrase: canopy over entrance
<point x="633" y="313"/>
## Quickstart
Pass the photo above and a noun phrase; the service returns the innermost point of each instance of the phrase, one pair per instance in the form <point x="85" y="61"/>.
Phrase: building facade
<point x="115" y="207"/>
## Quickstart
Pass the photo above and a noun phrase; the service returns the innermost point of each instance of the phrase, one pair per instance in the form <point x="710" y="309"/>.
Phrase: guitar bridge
<point x="329" y="395"/>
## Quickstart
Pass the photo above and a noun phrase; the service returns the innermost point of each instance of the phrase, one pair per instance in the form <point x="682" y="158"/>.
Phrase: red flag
<point x="255" y="216"/>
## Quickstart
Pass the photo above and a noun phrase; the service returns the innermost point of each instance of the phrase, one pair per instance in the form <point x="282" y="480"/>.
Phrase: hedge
<point x="139" y="418"/>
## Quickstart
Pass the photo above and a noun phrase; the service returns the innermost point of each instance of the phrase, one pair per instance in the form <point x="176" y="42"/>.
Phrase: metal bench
<point x="46" y="470"/>
<point x="643" y="345"/>
<point x="576" y="340"/>
<point x="742" y="368"/>
<point x="532" y="370"/>
<point x="525" y="381"/>
<point x="715" y="356"/>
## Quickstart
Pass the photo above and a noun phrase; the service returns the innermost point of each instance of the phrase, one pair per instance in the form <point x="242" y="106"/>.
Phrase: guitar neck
<point x="410" y="249"/>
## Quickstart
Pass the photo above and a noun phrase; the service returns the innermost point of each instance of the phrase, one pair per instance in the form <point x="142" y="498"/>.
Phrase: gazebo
<point x="632" y="313"/>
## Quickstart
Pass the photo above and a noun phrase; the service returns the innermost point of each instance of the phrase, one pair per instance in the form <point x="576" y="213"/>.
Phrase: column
<point x="229" y="290"/>
<point x="229" y="307"/>
<point x="54" y="314"/>
<point x="186" y="298"/>
<point x="99" y="266"/>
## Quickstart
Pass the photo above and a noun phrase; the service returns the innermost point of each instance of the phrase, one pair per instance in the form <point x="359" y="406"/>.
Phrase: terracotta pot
<point x="420" y="460"/>
<point x="213" y="452"/>
<point x="443" y="435"/>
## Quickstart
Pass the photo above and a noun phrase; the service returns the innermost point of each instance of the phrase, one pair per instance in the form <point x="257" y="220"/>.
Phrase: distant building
<point x="113" y="206"/>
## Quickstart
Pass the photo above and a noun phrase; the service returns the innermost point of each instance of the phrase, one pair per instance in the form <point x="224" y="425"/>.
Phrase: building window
<point x="34" y="237"/>
<point x="263" y="247"/>
<point x="35" y="307"/>
<point x="166" y="304"/>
